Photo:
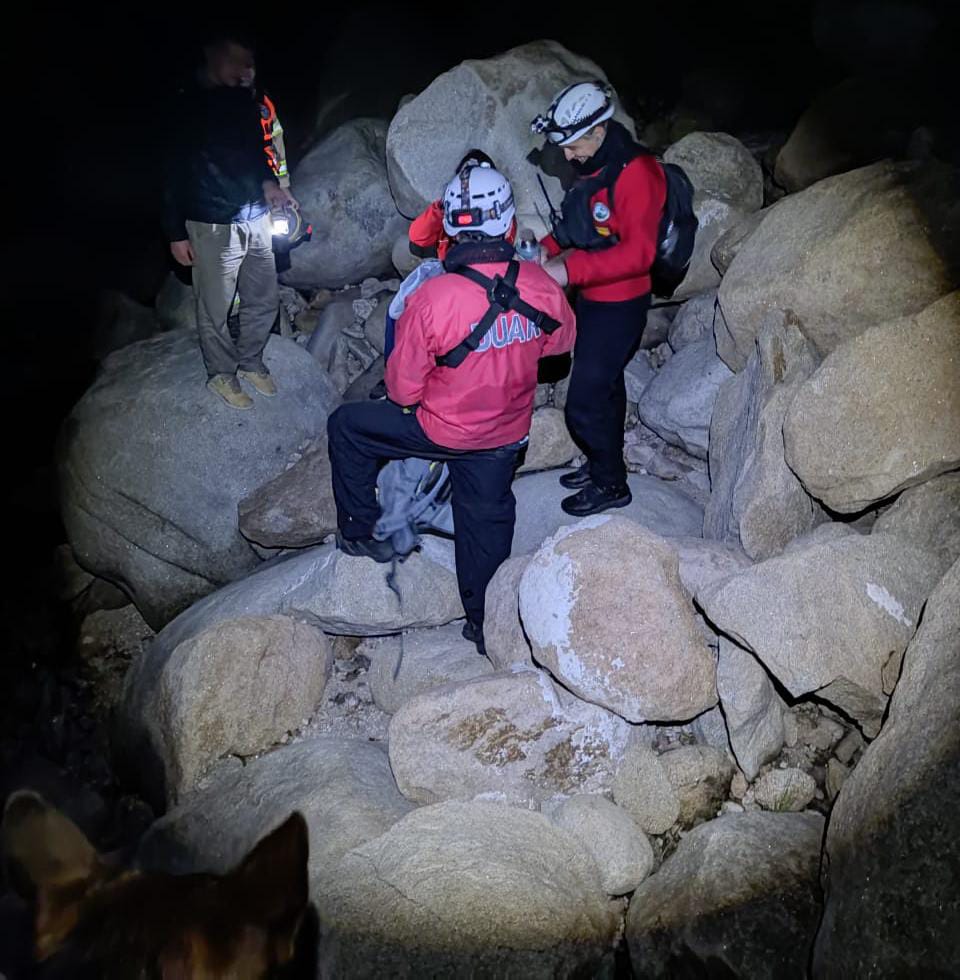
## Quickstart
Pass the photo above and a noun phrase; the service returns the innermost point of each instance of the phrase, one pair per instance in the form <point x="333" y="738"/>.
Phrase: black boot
<point x="474" y="633"/>
<point x="593" y="499"/>
<point x="379" y="551"/>
<point x="580" y="477"/>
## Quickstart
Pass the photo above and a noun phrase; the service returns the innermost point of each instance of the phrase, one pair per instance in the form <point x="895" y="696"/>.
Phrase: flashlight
<point x="280" y="223"/>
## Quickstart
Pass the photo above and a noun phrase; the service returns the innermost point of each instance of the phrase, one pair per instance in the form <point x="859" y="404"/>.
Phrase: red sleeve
<point x="561" y="340"/>
<point x="427" y="228"/>
<point x="414" y="355"/>
<point x="550" y="246"/>
<point x="638" y="197"/>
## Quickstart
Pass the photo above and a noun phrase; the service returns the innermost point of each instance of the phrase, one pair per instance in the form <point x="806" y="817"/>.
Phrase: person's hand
<point x="183" y="252"/>
<point x="279" y="197"/>
<point x="557" y="271"/>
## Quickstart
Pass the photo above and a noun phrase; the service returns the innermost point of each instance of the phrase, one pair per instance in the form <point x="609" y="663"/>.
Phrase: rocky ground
<point x="716" y="730"/>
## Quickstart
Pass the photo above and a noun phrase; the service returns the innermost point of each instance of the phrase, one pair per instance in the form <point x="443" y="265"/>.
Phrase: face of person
<point x="231" y="64"/>
<point x="581" y="150"/>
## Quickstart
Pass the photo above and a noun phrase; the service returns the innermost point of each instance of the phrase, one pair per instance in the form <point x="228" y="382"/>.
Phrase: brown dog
<point x="100" y="920"/>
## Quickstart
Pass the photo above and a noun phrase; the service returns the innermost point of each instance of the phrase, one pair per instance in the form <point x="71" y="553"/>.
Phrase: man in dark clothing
<point x="225" y="172"/>
<point x="604" y="244"/>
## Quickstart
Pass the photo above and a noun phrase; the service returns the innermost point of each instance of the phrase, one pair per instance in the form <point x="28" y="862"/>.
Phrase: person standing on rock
<point x="604" y="244"/>
<point x="226" y="169"/>
<point x="461" y="383"/>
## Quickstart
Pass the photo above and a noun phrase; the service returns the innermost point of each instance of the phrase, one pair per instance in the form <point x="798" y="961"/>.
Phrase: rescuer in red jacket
<point x="458" y="392"/>
<point x="427" y="237"/>
<point x="604" y="244"/>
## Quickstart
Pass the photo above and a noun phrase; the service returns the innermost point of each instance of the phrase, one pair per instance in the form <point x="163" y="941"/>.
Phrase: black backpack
<point x="676" y="235"/>
<point x="574" y="227"/>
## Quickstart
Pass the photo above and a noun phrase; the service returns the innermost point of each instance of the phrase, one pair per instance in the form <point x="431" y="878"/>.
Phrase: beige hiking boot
<point x="228" y="388"/>
<point x="261" y="380"/>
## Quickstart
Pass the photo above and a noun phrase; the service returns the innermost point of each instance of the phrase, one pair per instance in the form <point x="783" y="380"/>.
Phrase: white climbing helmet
<point x="479" y="199"/>
<point x="575" y="111"/>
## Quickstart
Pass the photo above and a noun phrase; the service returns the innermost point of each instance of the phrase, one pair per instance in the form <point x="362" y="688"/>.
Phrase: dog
<point x="95" y="919"/>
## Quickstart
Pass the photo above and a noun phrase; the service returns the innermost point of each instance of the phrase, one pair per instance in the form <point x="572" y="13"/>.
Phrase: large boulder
<point x="738" y="898"/>
<point x="892" y="901"/>
<point x="876" y="418"/>
<point x="401" y="667"/>
<point x="661" y="506"/>
<point x="326" y="588"/>
<point x="503" y="634"/>
<point x="121" y="321"/>
<point x="606" y="613"/>
<point x="512" y="736"/>
<point x="176" y="304"/>
<point x="751" y="707"/>
<point x="678" y="402"/>
<point x="728" y="185"/>
<point x="703" y="561"/>
<point x="234" y="689"/>
<point x="731" y="241"/>
<point x="623" y="854"/>
<point x="342" y="187"/>
<point x="551" y="445"/>
<point x="342" y="786"/>
<point x="467" y="889"/>
<point x="152" y="467"/>
<point x="642" y="788"/>
<point x="295" y="509"/>
<point x="845" y="254"/>
<point x="500" y="96"/>
<point x="700" y="776"/>
<point x="857" y="122"/>
<point x="928" y="516"/>
<point x="827" y="617"/>
<point x="637" y="376"/>
<point x="756" y="500"/>
<point x="694" y="321"/>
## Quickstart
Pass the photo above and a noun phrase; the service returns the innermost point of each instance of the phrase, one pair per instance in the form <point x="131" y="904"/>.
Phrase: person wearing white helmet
<point x="604" y="244"/>
<point x="460" y="383"/>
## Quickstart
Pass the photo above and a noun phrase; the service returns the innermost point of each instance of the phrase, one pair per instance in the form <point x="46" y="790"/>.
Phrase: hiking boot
<point x="593" y="500"/>
<point x="578" y="479"/>
<point x="228" y="388"/>
<point x="379" y="551"/>
<point x="474" y="634"/>
<point x="261" y="380"/>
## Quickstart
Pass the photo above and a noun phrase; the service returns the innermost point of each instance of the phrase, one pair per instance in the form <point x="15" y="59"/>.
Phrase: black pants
<point x="364" y="435"/>
<point x="608" y="335"/>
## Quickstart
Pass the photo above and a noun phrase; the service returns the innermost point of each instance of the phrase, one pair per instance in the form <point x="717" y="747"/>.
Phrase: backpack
<point x="414" y="496"/>
<point x="676" y="235"/>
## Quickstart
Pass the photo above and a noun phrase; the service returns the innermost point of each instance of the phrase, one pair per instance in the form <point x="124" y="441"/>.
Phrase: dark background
<point x="86" y="94"/>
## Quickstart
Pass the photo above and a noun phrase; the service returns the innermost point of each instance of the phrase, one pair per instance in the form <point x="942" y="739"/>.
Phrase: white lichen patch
<point x="887" y="603"/>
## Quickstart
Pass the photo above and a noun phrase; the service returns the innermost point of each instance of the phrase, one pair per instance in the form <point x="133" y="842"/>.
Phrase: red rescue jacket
<point x="621" y="272"/>
<point x="487" y="401"/>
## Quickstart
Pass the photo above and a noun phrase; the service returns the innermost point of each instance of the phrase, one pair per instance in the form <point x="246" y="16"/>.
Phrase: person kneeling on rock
<point x="460" y="385"/>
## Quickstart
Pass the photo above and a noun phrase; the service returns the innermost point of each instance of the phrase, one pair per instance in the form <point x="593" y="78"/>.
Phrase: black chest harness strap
<point x="503" y="295"/>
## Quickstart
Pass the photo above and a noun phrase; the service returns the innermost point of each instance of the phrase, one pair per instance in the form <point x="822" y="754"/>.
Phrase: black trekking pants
<point x="608" y="336"/>
<point x="364" y="435"/>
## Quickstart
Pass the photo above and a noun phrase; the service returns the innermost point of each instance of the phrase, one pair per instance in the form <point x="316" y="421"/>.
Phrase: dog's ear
<point x="272" y="884"/>
<point x="50" y="862"/>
